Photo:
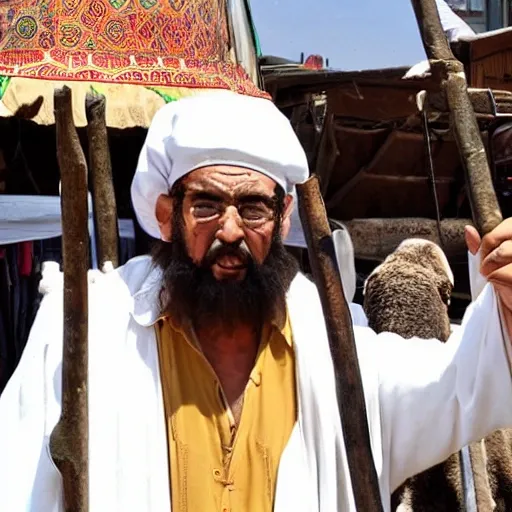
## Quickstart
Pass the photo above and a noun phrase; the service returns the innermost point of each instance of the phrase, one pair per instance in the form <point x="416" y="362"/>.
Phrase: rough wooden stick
<point x="69" y="440"/>
<point x="104" y="199"/>
<point x="349" y="388"/>
<point x="449" y="73"/>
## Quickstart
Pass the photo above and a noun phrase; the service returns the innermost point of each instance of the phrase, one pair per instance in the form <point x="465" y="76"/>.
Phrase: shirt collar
<point x="280" y="322"/>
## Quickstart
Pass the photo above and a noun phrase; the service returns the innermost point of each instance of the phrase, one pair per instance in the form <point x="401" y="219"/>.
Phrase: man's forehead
<point x="229" y="180"/>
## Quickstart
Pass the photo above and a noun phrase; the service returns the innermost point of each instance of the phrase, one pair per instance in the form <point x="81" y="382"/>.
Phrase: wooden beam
<point x="375" y="239"/>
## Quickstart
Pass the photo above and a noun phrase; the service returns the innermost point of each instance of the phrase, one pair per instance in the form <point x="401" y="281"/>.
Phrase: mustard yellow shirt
<point x="213" y="466"/>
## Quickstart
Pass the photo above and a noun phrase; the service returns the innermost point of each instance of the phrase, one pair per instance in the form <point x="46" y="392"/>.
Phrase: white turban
<point x="216" y="128"/>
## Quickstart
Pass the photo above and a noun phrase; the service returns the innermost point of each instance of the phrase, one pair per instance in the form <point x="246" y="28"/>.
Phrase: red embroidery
<point x="145" y="42"/>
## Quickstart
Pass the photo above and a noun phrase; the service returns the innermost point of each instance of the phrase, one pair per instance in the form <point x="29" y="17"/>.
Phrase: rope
<point x="431" y="175"/>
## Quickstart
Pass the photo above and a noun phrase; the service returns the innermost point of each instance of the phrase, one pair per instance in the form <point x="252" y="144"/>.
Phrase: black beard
<point x="192" y="292"/>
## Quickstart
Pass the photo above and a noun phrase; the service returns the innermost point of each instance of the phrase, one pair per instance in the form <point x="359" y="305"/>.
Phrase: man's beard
<point x="191" y="292"/>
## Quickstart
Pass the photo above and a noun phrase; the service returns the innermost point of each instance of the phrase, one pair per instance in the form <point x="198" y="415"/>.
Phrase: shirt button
<point x="217" y="474"/>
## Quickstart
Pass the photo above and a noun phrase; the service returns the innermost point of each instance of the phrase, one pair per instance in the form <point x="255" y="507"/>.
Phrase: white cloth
<point x="453" y="25"/>
<point x="218" y="128"/>
<point x="296" y="237"/>
<point x="425" y="400"/>
<point x="26" y="218"/>
<point x="343" y="247"/>
<point x="345" y="258"/>
<point x="455" y="29"/>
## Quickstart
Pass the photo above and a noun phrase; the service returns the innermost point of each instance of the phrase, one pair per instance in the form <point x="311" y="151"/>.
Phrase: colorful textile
<point x="145" y="42"/>
<point x="127" y="105"/>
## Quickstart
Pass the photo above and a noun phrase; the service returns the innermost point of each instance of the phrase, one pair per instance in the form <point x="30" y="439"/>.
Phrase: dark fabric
<point x="6" y="347"/>
<point x="20" y="339"/>
<point x="5" y="367"/>
<point x="25" y="258"/>
<point x="51" y="250"/>
<point x="12" y="261"/>
<point x="5" y="364"/>
<point x="20" y="274"/>
<point x="126" y="250"/>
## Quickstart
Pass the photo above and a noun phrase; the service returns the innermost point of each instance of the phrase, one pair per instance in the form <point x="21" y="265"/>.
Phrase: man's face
<point x="229" y="217"/>
<point x="226" y="261"/>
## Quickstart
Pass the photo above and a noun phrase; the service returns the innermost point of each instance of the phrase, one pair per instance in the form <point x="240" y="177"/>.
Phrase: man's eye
<point x="255" y="212"/>
<point x="205" y="210"/>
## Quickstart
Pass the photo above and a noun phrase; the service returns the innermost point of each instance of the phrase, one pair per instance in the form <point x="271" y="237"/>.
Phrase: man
<point x="211" y="383"/>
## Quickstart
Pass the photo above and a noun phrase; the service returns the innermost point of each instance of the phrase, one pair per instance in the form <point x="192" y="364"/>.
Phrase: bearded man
<point x="211" y="385"/>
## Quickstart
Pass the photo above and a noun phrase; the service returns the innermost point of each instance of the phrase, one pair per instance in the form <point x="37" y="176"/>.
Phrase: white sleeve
<point x="436" y="398"/>
<point x="29" y="481"/>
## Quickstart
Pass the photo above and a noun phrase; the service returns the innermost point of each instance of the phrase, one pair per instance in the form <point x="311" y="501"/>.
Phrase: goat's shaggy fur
<point x="409" y="295"/>
<point x="410" y="292"/>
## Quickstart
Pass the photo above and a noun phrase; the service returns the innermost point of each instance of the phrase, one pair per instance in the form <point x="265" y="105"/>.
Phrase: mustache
<point x="219" y="249"/>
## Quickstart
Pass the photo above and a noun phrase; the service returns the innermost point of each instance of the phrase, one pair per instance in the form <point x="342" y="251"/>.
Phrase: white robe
<point x="425" y="400"/>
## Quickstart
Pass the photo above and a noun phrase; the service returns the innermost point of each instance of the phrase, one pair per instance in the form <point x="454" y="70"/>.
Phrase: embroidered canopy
<point x="170" y="47"/>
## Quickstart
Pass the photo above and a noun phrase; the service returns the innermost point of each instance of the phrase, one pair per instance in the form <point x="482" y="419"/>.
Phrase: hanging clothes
<point x="30" y="235"/>
<point x="20" y="274"/>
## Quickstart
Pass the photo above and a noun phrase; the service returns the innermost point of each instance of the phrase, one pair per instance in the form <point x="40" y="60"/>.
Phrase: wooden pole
<point x="104" y="199"/>
<point x="69" y="440"/>
<point x="449" y="74"/>
<point x="349" y="387"/>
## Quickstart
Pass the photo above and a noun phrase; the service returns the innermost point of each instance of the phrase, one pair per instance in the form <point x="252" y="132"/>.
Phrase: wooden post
<point x="104" y="199"/>
<point x="69" y="440"/>
<point x="449" y="74"/>
<point x="349" y="387"/>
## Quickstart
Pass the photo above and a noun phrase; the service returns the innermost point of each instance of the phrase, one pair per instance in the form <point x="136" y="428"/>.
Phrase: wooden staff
<point x="69" y="440"/>
<point x="349" y="387"/>
<point x="449" y="75"/>
<point x="104" y="199"/>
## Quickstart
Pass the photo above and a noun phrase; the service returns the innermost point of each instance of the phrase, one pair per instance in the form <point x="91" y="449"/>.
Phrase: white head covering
<point x="220" y="128"/>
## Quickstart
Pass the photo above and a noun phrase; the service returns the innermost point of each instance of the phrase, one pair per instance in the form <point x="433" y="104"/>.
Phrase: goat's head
<point x="409" y="293"/>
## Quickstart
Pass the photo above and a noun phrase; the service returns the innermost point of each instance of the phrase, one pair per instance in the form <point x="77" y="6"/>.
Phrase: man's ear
<point x="163" y="212"/>
<point x="286" y="223"/>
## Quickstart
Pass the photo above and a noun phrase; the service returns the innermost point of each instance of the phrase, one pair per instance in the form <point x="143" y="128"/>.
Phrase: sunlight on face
<point x="233" y="207"/>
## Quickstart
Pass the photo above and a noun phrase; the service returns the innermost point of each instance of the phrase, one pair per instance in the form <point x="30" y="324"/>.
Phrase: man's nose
<point x="231" y="227"/>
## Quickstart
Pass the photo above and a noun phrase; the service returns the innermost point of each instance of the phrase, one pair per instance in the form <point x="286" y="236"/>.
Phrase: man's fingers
<point x="473" y="239"/>
<point x="498" y="258"/>
<point x="501" y="279"/>
<point x="496" y="237"/>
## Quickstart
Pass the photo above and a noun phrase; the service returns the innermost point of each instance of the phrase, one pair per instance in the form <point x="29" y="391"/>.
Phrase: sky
<point x="352" y="34"/>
